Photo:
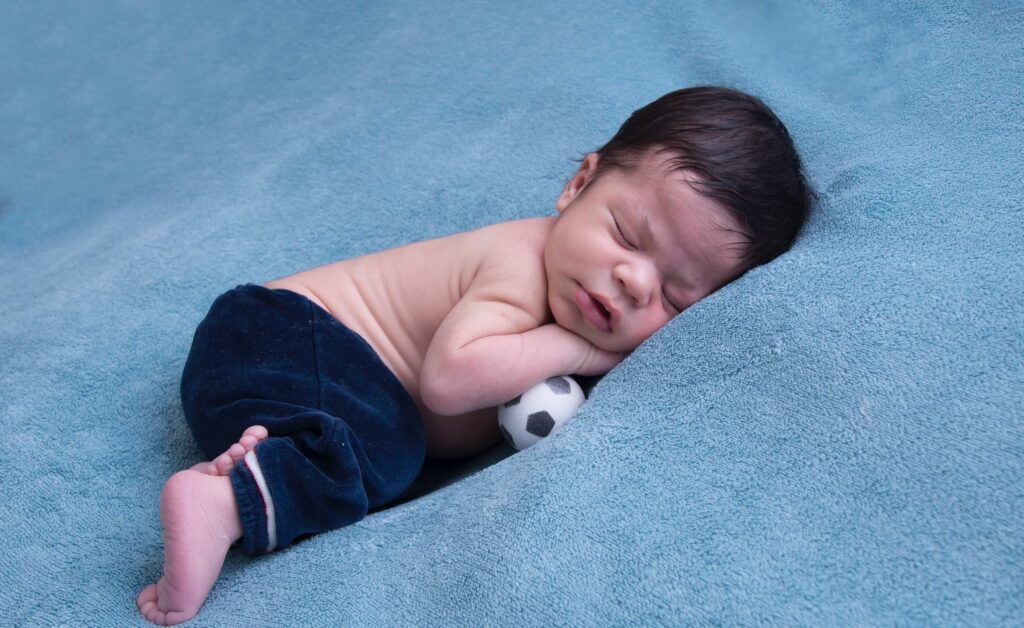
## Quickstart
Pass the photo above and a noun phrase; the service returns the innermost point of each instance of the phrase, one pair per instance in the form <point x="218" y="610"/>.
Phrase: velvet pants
<point x="345" y="436"/>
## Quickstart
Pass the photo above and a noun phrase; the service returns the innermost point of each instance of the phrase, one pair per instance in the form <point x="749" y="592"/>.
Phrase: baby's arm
<point x="491" y="348"/>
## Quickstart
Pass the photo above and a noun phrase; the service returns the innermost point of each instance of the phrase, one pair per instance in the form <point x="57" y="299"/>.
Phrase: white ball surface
<point x="540" y="411"/>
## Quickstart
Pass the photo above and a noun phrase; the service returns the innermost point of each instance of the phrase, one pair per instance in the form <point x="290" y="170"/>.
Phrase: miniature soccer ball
<point x="540" y="411"/>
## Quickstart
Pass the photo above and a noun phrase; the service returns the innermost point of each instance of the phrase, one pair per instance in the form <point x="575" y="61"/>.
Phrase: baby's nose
<point x="639" y="281"/>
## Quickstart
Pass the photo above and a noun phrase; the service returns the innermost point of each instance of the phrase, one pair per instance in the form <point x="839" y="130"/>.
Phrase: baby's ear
<point x="578" y="181"/>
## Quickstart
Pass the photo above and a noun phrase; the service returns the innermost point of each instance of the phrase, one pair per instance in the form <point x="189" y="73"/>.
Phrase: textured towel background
<point x="835" y="438"/>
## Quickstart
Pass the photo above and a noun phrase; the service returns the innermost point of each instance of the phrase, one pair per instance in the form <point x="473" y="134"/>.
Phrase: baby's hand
<point x="598" y="361"/>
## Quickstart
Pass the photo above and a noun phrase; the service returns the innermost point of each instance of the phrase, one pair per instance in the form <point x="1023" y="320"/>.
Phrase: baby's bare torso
<point x="396" y="299"/>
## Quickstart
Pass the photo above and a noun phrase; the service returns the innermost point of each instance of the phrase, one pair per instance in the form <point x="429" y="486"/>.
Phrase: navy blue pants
<point x="345" y="436"/>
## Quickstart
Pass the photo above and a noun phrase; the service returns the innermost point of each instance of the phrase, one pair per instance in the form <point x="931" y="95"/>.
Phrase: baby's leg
<point x="343" y="434"/>
<point x="201" y="521"/>
<point x="315" y="471"/>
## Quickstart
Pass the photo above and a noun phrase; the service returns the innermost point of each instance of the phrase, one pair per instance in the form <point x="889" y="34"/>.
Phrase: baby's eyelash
<point x="630" y="245"/>
<point x="621" y="234"/>
<point x="670" y="303"/>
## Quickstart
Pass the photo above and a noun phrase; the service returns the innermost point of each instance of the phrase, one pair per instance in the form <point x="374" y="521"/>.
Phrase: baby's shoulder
<point x="514" y="249"/>
<point x="511" y="263"/>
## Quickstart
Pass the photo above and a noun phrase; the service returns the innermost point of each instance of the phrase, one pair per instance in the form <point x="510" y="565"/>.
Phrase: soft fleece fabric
<point x="834" y="438"/>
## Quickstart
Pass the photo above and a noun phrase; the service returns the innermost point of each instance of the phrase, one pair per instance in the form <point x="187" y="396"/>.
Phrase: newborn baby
<point x="318" y="395"/>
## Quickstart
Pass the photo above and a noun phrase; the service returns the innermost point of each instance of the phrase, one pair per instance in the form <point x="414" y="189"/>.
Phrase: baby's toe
<point x="205" y="467"/>
<point x="147" y="605"/>
<point x="224" y="463"/>
<point x="257" y="431"/>
<point x="252" y="436"/>
<point x="147" y="598"/>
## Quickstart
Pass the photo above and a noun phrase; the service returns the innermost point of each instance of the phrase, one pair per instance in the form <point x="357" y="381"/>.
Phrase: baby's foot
<point x="200" y="518"/>
<point x="224" y="463"/>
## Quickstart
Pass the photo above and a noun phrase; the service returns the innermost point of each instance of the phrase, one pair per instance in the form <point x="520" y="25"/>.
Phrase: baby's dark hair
<point x="741" y="153"/>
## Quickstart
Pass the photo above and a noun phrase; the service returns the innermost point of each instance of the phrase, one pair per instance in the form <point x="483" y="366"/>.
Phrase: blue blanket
<point x="836" y="437"/>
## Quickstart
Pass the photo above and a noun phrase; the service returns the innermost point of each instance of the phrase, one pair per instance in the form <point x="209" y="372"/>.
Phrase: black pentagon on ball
<point x="508" y="437"/>
<point x="509" y="404"/>
<point x="540" y="424"/>
<point x="558" y="385"/>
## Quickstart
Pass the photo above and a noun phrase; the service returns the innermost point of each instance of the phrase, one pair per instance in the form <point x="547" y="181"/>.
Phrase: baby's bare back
<point x="396" y="300"/>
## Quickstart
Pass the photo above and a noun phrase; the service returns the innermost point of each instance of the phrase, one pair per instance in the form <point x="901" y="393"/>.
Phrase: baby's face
<point x="630" y="251"/>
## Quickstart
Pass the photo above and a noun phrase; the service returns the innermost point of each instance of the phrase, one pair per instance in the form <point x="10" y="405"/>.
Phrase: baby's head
<point x="695" y="189"/>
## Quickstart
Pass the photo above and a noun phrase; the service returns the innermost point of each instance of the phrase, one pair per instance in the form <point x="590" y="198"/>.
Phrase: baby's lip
<point x="606" y="303"/>
<point x="591" y="309"/>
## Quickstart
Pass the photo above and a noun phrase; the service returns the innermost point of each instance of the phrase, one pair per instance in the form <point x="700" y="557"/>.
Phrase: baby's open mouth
<point x="593" y="310"/>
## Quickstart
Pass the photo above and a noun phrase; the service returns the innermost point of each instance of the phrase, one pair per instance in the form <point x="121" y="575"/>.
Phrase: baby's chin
<point x="615" y="340"/>
<point x="615" y="345"/>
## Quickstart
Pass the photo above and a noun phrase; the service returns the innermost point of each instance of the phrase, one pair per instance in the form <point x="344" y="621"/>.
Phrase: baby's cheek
<point x="653" y="325"/>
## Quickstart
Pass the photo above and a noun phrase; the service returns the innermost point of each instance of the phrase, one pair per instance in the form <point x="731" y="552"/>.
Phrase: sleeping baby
<point x="318" y="395"/>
